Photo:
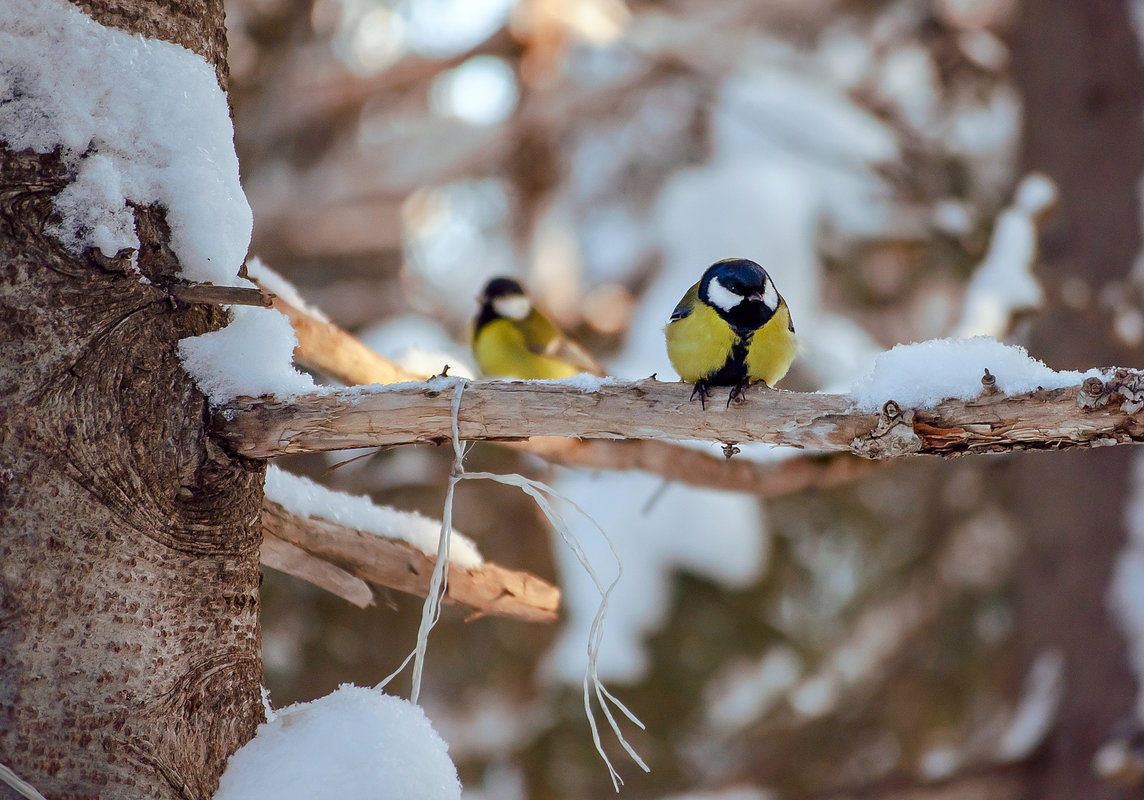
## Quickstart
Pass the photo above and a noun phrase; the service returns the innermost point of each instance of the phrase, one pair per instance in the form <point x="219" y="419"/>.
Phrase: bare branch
<point x="489" y="588"/>
<point x="420" y="413"/>
<point x="293" y="560"/>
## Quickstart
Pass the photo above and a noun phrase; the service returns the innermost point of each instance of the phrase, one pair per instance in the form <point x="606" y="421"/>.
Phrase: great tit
<point x="512" y="339"/>
<point x="733" y="329"/>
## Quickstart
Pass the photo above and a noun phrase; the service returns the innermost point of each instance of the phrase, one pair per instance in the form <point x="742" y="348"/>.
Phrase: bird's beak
<point x="757" y="297"/>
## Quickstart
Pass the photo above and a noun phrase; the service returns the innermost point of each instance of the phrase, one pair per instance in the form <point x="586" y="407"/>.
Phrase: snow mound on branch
<point x="355" y="742"/>
<point x="925" y="373"/>
<point x="308" y="499"/>
<point x="252" y="356"/>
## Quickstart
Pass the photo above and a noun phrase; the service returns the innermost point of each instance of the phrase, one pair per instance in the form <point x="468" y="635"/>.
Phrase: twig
<point x="418" y="413"/>
<point x="220" y="295"/>
<point x="22" y="787"/>
<point x="489" y="588"/>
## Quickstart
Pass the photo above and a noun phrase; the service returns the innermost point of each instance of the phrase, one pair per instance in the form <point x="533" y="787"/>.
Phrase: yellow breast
<point x="772" y="349"/>
<point x="698" y="344"/>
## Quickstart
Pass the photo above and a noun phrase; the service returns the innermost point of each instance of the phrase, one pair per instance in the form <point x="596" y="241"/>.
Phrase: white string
<point x="438" y="587"/>
<point x="23" y="787"/>
<point x="397" y="671"/>
<point x="439" y="583"/>
<point x="592" y="683"/>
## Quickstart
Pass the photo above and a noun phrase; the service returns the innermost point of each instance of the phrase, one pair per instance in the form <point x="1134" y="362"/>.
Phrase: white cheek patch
<point x="514" y="306"/>
<point x="771" y="296"/>
<point x="722" y="297"/>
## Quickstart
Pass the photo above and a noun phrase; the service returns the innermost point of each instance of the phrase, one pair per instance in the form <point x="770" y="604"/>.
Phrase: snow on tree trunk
<point x="130" y="657"/>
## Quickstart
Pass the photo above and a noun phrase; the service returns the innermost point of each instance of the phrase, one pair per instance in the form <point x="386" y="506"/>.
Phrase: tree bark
<point x="130" y="658"/>
<point x="1078" y="67"/>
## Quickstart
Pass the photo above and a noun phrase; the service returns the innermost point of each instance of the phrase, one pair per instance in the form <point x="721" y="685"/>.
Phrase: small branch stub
<point x="989" y="382"/>
<point x="221" y="295"/>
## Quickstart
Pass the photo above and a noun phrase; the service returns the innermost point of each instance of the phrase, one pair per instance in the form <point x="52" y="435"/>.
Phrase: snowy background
<point x="398" y="153"/>
<point x="920" y="623"/>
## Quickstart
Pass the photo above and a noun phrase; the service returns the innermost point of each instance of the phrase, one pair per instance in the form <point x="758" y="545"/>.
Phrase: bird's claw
<point x="703" y="389"/>
<point x="738" y="393"/>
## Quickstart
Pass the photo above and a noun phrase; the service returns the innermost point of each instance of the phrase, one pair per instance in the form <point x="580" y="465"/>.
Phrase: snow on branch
<point x="1095" y="413"/>
<point x="488" y="588"/>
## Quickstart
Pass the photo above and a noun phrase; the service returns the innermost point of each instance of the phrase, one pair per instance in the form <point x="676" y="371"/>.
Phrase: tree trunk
<point x="1078" y="68"/>
<point x="129" y="635"/>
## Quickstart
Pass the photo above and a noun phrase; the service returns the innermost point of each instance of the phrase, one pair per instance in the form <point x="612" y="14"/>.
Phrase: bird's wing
<point x="685" y="306"/>
<point x="545" y="339"/>
<point x="564" y="349"/>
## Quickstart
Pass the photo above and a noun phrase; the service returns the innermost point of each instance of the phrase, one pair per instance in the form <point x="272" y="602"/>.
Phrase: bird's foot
<point x="703" y="389"/>
<point x="738" y="393"/>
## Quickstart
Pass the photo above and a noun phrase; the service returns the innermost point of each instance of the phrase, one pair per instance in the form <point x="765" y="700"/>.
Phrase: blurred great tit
<point x="733" y="329"/>
<point x="511" y="339"/>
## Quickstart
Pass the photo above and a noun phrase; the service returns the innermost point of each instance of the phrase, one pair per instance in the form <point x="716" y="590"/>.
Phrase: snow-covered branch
<point x="1099" y="412"/>
<point x="487" y="588"/>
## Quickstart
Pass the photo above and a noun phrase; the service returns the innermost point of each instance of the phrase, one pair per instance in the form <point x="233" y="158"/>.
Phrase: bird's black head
<point x="502" y="298"/>
<point x="741" y="292"/>
<point x="501" y="287"/>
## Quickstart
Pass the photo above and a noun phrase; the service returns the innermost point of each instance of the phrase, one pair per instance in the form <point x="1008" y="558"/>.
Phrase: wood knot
<point x="893" y="434"/>
<point x="1129" y="384"/>
<point x="1091" y="393"/>
<point x="1125" y="384"/>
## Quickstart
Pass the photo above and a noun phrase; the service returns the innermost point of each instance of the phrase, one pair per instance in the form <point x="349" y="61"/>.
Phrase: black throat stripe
<point x="734" y="369"/>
